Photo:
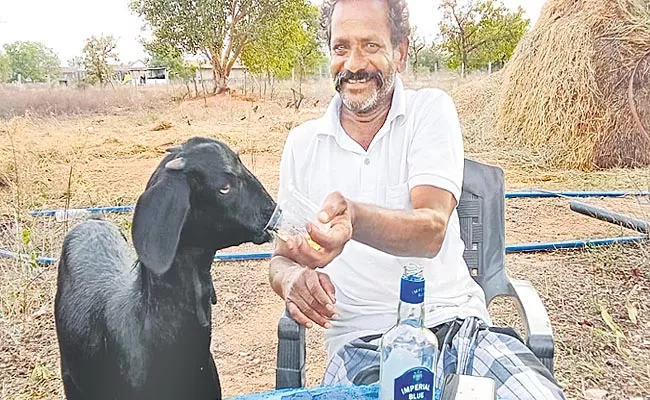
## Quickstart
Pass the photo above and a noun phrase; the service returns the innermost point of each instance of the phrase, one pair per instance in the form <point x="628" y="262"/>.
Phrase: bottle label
<point x="414" y="384"/>
<point x="412" y="290"/>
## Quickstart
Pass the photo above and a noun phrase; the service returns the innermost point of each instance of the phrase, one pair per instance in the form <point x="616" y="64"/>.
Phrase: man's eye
<point x="339" y="48"/>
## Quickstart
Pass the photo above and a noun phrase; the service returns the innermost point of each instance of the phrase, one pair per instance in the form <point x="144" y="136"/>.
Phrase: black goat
<point x="137" y="326"/>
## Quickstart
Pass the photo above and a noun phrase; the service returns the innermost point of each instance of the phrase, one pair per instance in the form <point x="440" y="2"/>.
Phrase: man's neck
<point x="362" y="127"/>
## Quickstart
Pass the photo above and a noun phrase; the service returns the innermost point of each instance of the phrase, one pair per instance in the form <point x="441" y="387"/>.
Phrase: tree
<point x="5" y="68"/>
<point x="97" y="52"/>
<point x="416" y="44"/>
<point x="76" y="62"/>
<point x="310" y="56"/>
<point x="288" y="42"/>
<point x="215" y="29"/>
<point x="33" y="61"/>
<point x="479" y="31"/>
<point x="429" y="58"/>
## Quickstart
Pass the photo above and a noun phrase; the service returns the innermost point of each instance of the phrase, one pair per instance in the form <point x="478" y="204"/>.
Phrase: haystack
<point x="476" y="106"/>
<point x="577" y="88"/>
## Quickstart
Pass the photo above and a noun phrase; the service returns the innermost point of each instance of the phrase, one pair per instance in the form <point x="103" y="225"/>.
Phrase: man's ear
<point x="403" y="52"/>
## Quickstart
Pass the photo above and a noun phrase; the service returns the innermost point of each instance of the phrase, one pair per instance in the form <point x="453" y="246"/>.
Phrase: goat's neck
<point x="187" y="283"/>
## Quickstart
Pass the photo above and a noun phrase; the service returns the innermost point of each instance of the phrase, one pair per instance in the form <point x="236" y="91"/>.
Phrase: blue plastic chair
<point x="481" y="211"/>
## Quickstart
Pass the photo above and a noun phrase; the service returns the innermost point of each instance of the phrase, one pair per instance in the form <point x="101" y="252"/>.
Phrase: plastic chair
<point x="481" y="211"/>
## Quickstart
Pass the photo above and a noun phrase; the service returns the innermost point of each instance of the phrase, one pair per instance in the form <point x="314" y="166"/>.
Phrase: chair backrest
<point x="481" y="211"/>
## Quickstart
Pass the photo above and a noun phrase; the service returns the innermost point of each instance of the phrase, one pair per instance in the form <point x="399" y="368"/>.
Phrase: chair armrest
<point x="290" y="369"/>
<point x="536" y="322"/>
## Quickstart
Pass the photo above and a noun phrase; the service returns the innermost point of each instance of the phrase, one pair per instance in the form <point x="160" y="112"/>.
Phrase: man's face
<point x="364" y="63"/>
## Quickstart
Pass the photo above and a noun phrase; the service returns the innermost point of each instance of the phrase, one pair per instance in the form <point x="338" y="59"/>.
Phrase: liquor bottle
<point x="409" y="351"/>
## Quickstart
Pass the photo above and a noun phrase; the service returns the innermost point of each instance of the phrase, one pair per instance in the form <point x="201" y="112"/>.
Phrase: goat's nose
<point x="263" y="237"/>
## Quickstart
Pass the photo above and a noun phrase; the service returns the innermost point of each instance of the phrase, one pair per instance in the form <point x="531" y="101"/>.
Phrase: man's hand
<point x="336" y="212"/>
<point x="309" y="296"/>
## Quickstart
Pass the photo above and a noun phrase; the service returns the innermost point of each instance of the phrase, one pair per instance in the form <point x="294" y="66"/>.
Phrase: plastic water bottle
<point x="71" y="214"/>
<point x="75" y="214"/>
<point x="409" y="351"/>
<point x="291" y="215"/>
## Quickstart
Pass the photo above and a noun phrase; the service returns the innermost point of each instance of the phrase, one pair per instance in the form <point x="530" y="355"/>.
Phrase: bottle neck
<point x="411" y="306"/>
<point x="410" y="314"/>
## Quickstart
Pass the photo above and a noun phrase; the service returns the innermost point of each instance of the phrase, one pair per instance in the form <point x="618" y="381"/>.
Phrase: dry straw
<point x="578" y="86"/>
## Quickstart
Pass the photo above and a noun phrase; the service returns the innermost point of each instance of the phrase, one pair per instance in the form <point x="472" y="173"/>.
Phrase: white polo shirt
<point x="419" y="144"/>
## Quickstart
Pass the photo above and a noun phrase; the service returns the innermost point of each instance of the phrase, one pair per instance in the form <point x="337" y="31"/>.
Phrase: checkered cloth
<point x="469" y="347"/>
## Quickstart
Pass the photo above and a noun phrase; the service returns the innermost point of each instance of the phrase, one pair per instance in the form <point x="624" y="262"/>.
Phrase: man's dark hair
<point x="398" y="18"/>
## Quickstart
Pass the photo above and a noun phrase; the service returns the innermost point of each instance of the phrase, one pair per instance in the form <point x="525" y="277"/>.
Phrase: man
<point x="386" y="164"/>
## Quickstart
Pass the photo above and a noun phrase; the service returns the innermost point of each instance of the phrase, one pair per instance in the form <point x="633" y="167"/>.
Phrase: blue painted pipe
<point x="513" y="248"/>
<point x="109" y="209"/>
<point x="217" y="257"/>
<point x="573" y="244"/>
<point x="549" y="193"/>
<point x="262" y="255"/>
<point x="508" y="195"/>
<point x="26" y="257"/>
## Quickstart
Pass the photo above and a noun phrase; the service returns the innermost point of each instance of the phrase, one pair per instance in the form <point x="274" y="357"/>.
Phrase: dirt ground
<point x="598" y="298"/>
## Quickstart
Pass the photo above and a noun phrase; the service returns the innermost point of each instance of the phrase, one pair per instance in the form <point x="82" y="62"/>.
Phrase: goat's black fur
<point x="137" y="326"/>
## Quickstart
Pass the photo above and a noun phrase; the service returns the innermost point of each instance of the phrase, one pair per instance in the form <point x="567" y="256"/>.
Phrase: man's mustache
<point x="345" y="76"/>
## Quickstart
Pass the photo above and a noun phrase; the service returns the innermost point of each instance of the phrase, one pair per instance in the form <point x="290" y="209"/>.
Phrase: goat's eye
<point x="225" y="189"/>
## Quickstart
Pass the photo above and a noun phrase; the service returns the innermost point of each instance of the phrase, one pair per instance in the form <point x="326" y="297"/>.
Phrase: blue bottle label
<point x="414" y="384"/>
<point x="412" y="290"/>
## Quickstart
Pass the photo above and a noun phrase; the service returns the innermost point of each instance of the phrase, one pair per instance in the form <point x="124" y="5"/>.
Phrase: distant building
<point x="139" y="74"/>
<point x="238" y="73"/>
<point x="71" y="75"/>
<point x="136" y="74"/>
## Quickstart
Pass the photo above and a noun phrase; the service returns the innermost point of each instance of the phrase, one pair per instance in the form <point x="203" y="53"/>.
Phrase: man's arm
<point x="414" y="233"/>
<point x="410" y="233"/>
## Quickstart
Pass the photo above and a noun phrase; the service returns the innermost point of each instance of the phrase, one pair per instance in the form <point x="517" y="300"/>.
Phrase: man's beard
<point x="384" y="85"/>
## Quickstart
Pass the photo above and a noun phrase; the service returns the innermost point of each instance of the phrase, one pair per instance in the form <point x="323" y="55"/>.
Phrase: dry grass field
<point x="94" y="148"/>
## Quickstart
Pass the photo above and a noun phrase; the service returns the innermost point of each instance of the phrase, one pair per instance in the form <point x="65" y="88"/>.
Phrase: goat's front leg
<point x="212" y="380"/>
<point x="70" y="388"/>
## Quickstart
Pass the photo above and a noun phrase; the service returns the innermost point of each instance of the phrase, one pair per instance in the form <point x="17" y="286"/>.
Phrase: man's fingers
<point x="298" y="250"/>
<point x="317" y="234"/>
<point x="331" y="243"/>
<point x="308" y="307"/>
<point x="322" y="301"/>
<point x="335" y="237"/>
<point x="298" y="315"/>
<point x="333" y="206"/>
<point x="327" y="286"/>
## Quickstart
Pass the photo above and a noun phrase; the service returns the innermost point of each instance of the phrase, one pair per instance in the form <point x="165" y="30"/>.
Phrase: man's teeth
<point x="357" y="81"/>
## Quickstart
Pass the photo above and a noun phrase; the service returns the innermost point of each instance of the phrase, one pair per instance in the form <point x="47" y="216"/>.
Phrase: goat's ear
<point x="158" y="219"/>
<point x="174" y="149"/>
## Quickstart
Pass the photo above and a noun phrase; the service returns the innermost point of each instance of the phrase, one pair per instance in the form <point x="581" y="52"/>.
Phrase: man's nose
<point x="356" y="61"/>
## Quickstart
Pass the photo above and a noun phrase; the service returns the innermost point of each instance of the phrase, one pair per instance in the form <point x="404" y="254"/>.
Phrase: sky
<point x="64" y="25"/>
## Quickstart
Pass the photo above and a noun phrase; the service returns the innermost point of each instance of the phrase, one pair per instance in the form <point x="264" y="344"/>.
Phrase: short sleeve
<point x="436" y="154"/>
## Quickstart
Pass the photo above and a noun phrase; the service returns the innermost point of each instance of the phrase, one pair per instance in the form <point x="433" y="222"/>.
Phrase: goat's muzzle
<point x="263" y="237"/>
